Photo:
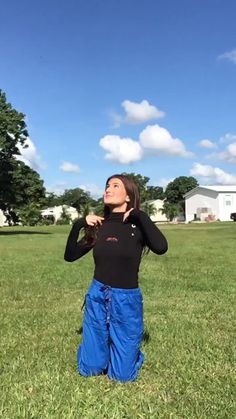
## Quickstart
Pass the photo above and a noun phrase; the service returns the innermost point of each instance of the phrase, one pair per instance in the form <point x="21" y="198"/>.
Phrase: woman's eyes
<point x="114" y="186"/>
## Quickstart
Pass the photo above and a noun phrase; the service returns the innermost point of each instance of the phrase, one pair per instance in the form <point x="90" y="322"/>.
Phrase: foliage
<point x="12" y="132"/>
<point x="64" y="218"/>
<point x="20" y="186"/>
<point x="154" y="192"/>
<point x="176" y="190"/>
<point x="30" y="214"/>
<point x="149" y="208"/>
<point x="51" y="200"/>
<point x="171" y="210"/>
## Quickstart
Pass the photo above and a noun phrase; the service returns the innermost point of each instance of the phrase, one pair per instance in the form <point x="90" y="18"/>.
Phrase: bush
<point x="30" y="215"/>
<point x="64" y="218"/>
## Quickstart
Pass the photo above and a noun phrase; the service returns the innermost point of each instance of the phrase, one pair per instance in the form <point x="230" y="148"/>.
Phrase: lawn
<point x="189" y="306"/>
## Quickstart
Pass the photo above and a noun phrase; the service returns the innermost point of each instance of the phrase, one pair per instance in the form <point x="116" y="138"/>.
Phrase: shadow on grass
<point x="12" y="233"/>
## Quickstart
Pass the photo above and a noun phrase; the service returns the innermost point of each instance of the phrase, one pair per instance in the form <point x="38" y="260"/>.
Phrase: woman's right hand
<point x="93" y="220"/>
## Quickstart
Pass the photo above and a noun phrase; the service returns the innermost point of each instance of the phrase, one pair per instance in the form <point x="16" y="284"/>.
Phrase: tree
<point x="148" y="208"/>
<point x="176" y="189"/>
<point x="27" y="187"/>
<point x="171" y="210"/>
<point x="12" y="133"/>
<point x="76" y="198"/>
<point x="155" y="192"/>
<point x="20" y="186"/>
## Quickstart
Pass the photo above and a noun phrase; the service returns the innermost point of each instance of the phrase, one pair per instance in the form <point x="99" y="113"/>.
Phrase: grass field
<point x="189" y="306"/>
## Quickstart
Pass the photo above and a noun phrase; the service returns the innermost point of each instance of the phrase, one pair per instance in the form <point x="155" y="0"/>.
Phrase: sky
<point x="111" y="86"/>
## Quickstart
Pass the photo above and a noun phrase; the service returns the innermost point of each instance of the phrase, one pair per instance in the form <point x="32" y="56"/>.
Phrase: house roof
<point x="215" y="188"/>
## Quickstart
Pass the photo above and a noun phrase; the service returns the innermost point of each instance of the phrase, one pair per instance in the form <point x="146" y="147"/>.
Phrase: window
<point x="228" y="200"/>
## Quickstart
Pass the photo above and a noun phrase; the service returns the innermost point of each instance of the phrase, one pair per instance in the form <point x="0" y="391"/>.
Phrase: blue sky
<point x="144" y="86"/>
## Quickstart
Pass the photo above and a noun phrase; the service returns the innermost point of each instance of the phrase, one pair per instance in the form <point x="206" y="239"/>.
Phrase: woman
<point x="113" y="318"/>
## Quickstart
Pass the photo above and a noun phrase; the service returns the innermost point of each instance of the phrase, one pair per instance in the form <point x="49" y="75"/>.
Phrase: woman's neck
<point x="121" y="208"/>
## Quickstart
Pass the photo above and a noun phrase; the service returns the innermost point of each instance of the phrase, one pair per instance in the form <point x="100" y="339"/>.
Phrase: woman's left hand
<point x="127" y="214"/>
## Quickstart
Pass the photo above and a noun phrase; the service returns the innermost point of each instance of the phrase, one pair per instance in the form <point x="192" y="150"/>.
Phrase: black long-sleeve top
<point x="118" y="248"/>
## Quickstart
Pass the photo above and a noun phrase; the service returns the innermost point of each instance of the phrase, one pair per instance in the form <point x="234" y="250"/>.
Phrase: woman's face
<point x="115" y="194"/>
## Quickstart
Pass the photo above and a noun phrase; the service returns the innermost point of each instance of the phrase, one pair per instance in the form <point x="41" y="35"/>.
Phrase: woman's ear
<point x="127" y="199"/>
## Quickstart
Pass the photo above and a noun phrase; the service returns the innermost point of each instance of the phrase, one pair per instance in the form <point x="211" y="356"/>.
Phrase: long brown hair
<point x="132" y="191"/>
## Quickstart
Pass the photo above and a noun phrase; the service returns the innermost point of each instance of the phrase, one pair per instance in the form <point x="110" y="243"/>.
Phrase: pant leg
<point x="93" y="353"/>
<point x="126" y="331"/>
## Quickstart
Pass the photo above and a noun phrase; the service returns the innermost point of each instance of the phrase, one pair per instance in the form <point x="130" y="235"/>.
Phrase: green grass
<point x="189" y="303"/>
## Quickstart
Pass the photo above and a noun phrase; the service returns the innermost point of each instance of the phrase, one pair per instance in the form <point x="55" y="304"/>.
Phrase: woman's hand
<point x="127" y="214"/>
<point x="93" y="220"/>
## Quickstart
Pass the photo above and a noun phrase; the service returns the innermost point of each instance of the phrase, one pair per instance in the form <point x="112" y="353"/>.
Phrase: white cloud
<point x="207" y="144"/>
<point x="164" y="182"/>
<point x="29" y="155"/>
<point x="211" y="174"/>
<point x="69" y="167"/>
<point x="122" y="150"/>
<point x="160" y="140"/>
<point x="227" y="138"/>
<point x="58" y="188"/>
<point x="93" y="189"/>
<point x="229" y="154"/>
<point x="229" y="56"/>
<point x="137" y="113"/>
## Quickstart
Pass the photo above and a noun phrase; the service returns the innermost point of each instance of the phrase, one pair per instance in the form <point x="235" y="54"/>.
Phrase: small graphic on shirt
<point x="111" y="239"/>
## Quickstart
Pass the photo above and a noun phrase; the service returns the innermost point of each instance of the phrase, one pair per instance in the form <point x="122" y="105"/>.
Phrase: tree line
<point x="23" y="195"/>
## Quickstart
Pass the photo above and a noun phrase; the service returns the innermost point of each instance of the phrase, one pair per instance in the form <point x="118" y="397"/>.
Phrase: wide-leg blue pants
<point x="112" y="333"/>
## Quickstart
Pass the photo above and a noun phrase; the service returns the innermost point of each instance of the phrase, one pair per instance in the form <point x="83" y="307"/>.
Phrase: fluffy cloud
<point x="70" y="167"/>
<point x="29" y="155"/>
<point x="158" y="139"/>
<point x="229" y="56"/>
<point x="211" y="174"/>
<point x="164" y="182"/>
<point x="58" y="188"/>
<point x="137" y="113"/>
<point x="229" y="154"/>
<point x="227" y="138"/>
<point x="207" y="144"/>
<point x="122" y="150"/>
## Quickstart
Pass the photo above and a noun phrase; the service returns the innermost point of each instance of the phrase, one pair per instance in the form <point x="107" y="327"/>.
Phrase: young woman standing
<point x="113" y="317"/>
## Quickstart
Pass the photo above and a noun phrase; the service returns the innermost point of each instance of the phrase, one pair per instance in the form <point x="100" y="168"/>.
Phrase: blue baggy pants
<point x="112" y="333"/>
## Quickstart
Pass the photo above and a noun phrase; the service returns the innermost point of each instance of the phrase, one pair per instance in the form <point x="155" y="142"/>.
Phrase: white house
<point x="56" y="212"/>
<point x="3" y="220"/>
<point x="210" y="203"/>
<point x="158" y="217"/>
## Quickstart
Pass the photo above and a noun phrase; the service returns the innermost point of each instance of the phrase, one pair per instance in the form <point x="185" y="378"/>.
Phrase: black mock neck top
<point x="118" y="248"/>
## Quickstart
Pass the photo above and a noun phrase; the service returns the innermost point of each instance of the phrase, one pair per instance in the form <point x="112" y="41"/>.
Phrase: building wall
<point x="2" y="219"/>
<point x="227" y="204"/>
<point x="202" y="199"/>
<point x="158" y="216"/>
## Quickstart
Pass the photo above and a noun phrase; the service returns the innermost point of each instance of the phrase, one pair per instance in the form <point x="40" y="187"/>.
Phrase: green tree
<point x="171" y="210"/>
<point x="176" y="190"/>
<point x="155" y="192"/>
<point x="27" y="186"/>
<point x="149" y="208"/>
<point x="51" y="200"/>
<point x="64" y="218"/>
<point x="30" y="214"/>
<point x="20" y="186"/>
<point x="12" y="133"/>
<point x="76" y="198"/>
